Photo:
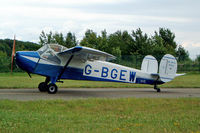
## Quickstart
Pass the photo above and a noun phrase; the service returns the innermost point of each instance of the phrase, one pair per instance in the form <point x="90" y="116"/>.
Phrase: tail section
<point x="149" y="64"/>
<point x="167" y="68"/>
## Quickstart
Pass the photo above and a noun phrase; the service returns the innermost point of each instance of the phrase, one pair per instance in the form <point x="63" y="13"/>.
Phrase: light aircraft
<point x="57" y="62"/>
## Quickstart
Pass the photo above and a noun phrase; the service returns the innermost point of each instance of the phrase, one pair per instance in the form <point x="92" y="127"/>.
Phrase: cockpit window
<point x="43" y="49"/>
<point x="55" y="47"/>
<point x="49" y="52"/>
<point x="49" y="55"/>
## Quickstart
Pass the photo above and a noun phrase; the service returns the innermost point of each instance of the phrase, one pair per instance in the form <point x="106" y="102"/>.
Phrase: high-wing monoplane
<point x="57" y="62"/>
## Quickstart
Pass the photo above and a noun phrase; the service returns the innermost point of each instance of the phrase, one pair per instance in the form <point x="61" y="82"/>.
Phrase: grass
<point x="22" y="80"/>
<point x="101" y="115"/>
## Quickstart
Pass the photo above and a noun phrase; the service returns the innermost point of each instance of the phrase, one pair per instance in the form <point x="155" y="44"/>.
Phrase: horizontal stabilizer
<point x="181" y="74"/>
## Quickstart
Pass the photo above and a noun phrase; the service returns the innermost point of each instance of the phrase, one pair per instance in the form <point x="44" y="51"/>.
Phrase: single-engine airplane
<point x="57" y="62"/>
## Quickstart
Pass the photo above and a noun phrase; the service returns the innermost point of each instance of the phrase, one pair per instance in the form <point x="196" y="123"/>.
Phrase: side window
<point x="49" y="55"/>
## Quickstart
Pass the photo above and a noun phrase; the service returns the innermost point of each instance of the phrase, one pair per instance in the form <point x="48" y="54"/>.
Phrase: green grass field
<point x="101" y="115"/>
<point x="22" y="80"/>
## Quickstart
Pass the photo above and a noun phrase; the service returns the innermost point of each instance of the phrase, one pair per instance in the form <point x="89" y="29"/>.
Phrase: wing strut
<point x="63" y="70"/>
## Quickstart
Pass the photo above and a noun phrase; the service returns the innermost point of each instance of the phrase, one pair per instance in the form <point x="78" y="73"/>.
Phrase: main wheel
<point x="52" y="88"/>
<point x="42" y="87"/>
<point x="158" y="89"/>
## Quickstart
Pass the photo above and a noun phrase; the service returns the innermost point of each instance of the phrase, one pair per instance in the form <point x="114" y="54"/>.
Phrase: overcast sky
<point x="27" y="18"/>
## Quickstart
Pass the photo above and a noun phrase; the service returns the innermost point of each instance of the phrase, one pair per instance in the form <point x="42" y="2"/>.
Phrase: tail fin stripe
<point x="170" y="57"/>
<point x="150" y="58"/>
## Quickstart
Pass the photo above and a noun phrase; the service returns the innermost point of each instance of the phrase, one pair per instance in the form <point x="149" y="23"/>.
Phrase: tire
<point x="42" y="87"/>
<point x="158" y="90"/>
<point x="52" y="88"/>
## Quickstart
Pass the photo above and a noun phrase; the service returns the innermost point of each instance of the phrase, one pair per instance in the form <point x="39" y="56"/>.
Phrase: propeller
<point x="13" y="54"/>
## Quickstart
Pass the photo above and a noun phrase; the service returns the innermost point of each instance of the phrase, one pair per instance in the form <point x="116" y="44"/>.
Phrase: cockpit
<point x="49" y="51"/>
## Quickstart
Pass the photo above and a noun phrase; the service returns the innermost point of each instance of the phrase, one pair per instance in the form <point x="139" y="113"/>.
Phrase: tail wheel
<point x="156" y="88"/>
<point x="52" y="88"/>
<point x="42" y="87"/>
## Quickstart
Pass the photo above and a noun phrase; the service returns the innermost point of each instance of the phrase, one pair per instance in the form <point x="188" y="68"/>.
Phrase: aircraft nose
<point x="27" y="60"/>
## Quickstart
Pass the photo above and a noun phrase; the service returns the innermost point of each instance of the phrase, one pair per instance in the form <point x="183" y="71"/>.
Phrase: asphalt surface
<point x="74" y="93"/>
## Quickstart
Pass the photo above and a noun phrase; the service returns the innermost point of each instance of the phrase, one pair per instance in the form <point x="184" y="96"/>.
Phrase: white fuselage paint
<point x="114" y="72"/>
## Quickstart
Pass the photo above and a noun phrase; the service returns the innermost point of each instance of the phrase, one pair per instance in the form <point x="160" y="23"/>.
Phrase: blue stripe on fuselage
<point x="140" y="80"/>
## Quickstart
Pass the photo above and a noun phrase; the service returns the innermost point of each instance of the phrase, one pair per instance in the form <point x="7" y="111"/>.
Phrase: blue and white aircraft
<point x="57" y="62"/>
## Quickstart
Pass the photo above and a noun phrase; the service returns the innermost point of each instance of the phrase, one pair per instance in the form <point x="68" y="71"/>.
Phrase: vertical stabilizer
<point x="149" y="64"/>
<point x="167" y="68"/>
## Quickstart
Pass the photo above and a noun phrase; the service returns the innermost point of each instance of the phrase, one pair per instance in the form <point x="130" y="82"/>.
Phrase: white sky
<point x="27" y="18"/>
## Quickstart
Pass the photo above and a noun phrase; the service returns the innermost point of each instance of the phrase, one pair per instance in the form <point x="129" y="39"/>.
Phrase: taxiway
<point x="74" y="93"/>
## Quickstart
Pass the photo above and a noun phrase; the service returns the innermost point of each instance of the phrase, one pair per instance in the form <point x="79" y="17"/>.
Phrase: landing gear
<point x="156" y="88"/>
<point x="42" y="87"/>
<point x="46" y="87"/>
<point x="52" y="88"/>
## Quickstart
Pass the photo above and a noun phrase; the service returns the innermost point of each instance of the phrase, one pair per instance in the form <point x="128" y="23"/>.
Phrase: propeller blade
<point x="13" y="54"/>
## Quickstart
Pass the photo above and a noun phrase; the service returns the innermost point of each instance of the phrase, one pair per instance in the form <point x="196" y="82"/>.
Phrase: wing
<point x="88" y="53"/>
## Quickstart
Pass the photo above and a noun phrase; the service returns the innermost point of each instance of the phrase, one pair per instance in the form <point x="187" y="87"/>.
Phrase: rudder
<point x="149" y="64"/>
<point x="167" y="68"/>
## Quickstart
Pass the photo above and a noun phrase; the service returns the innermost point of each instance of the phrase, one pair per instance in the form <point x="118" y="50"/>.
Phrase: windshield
<point x="42" y="49"/>
<point x="49" y="52"/>
<point x="57" y="48"/>
<point x="49" y="55"/>
<point x="54" y="47"/>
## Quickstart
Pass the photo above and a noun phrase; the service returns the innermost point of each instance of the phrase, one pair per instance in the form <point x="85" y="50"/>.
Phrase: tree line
<point x="128" y="47"/>
<point x="123" y="43"/>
